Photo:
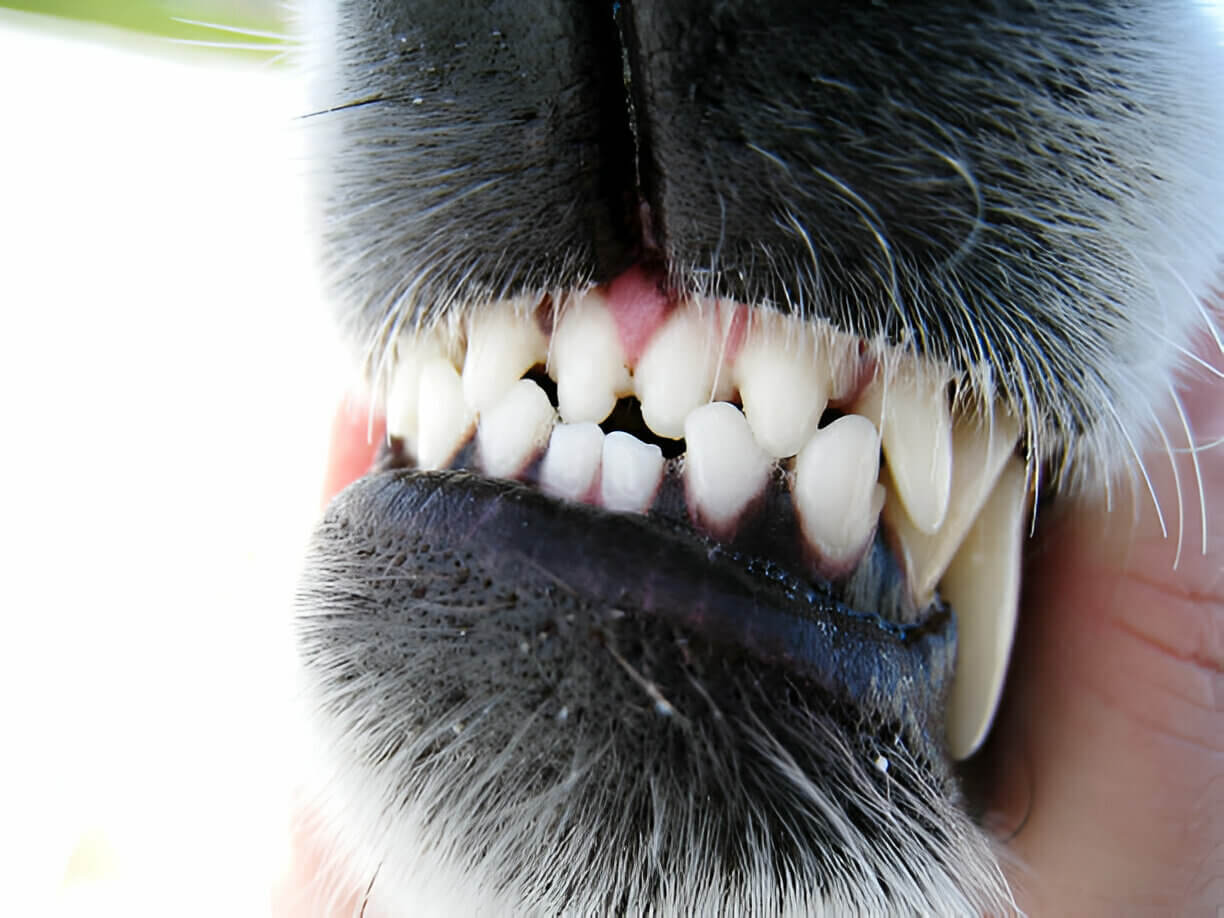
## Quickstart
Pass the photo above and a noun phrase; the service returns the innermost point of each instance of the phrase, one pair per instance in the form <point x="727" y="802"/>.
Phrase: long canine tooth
<point x="403" y="396"/>
<point x="572" y="461"/>
<point x="982" y="586"/>
<point x="630" y="472"/>
<point x="445" y="419"/>
<point x="835" y="490"/>
<point x="916" y="427"/>
<point x="676" y="372"/>
<point x="514" y="429"/>
<point x="504" y="342"/>
<point x="588" y="361"/>
<point x="980" y="448"/>
<point x="724" y="468"/>
<point x="783" y="383"/>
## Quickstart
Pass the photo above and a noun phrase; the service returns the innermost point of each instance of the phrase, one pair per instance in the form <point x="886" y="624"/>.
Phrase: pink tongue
<point x="639" y="305"/>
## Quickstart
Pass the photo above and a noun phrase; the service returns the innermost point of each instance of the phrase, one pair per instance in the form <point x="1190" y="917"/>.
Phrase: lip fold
<point x="428" y="556"/>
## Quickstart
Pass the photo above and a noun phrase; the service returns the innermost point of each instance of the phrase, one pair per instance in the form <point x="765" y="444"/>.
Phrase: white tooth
<point x="504" y="342"/>
<point x="445" y="419"/>
<point x="724" y="468"/>
<point x="835" y="489"/>
<point x="676" y="371"/>
<point x="588" y="361"/>
<point x="516" y="428"/>
<point x="783" y="382"/>
<point x="572" y="461"/>
<point x="403" y="395"/>
<point x="980" y="448"/>
<point x="630" y="472"/>
<point x="915" y="423"/>
<point x="982" y="586"/>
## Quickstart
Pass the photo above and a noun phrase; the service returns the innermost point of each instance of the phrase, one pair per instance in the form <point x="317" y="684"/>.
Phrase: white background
<point x="167" y="384"/>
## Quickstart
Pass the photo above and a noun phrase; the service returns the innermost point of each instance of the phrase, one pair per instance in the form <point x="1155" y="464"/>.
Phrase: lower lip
<point x="629" y="564"/>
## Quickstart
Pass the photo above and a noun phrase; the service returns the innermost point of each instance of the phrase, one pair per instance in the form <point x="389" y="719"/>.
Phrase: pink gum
<point x="640" y="306"/>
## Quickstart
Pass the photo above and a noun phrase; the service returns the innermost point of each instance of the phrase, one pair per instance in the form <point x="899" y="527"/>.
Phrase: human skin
<point x="1108" y="755"/>
<point x="1105" y="770"/>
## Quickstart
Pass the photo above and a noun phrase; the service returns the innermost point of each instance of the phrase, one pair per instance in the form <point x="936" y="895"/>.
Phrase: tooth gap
<point x="627" y="416"/>
<point x="830" y="415"/>
<point x="540" y="377"/>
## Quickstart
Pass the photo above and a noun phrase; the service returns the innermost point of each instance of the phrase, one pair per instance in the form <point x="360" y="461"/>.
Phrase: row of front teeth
<point x="952" y="492"/>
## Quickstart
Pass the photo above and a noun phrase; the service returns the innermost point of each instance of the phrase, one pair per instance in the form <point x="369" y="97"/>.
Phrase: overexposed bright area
<point x="167" y="381"/>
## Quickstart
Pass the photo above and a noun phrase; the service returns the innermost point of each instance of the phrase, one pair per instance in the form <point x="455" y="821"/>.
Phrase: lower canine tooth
<point x="514" y="429"/>
<point x="504" y="342"/>
<point x="572" y="461"/>
<point x="982" y="586"/>
<point x="445" y="420"/>
<point x="676" y="372"/>
<point x="724" y="468"/>
<point x="980" y="448"/>
<point x="588" y="361"/>
<point x="835" y="490"/>
<point x="630" y="472"/>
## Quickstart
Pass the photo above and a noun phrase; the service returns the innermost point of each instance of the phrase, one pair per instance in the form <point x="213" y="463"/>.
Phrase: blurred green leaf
<point x="220" y="22"/>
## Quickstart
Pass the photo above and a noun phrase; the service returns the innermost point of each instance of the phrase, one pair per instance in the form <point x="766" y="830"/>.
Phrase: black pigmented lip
<point x="632" y="564"/>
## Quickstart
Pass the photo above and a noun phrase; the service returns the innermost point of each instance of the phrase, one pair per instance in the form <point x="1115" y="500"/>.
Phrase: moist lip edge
<point x="629" y="563"/>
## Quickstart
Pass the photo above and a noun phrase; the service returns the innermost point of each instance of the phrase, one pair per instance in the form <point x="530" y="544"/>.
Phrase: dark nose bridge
<point x="765" y="150"/>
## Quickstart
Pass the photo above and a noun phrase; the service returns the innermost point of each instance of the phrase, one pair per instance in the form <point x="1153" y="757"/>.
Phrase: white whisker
<point x="1164" y="529"/>
<point x="1198" y="471"/>
<point x="280" y="37"/>
<point x="1177" y="487"/>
